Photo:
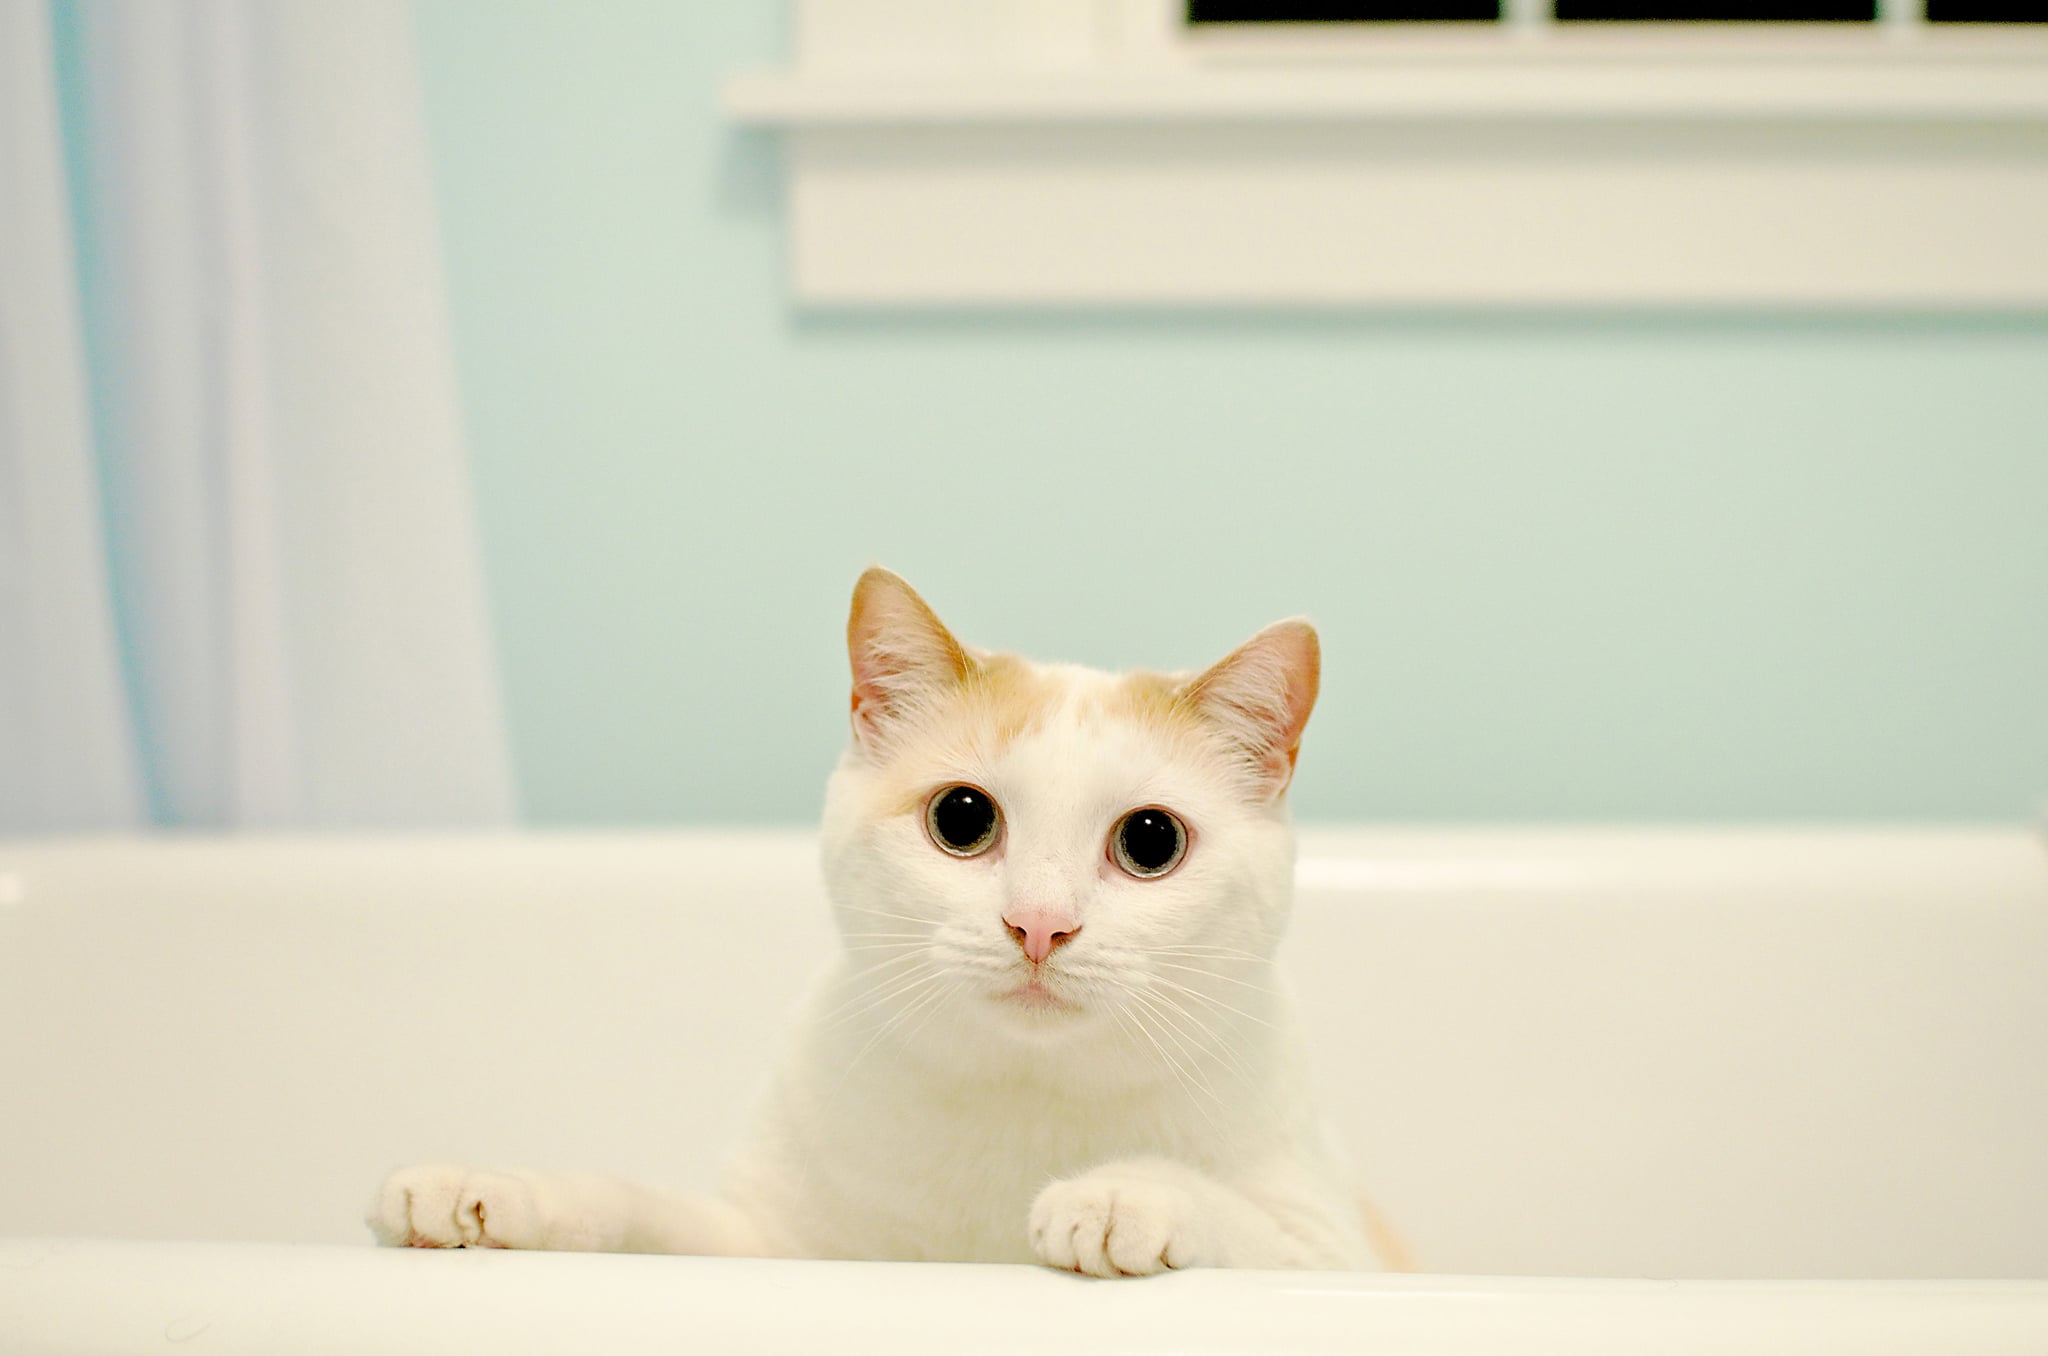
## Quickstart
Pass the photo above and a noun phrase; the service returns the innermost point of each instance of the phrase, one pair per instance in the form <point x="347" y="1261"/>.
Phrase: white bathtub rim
<point x="64" y="1295"/>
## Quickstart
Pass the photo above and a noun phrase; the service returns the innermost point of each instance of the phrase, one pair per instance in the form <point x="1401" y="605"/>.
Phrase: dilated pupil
<point x="1150" y="840"/>
<point x="963" y="817"/>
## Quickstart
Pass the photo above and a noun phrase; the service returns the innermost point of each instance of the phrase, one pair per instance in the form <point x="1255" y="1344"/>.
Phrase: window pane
<point x="1340" y="11"/>
<point x="1987" y="11"/>
<point x="1725" y="11"/>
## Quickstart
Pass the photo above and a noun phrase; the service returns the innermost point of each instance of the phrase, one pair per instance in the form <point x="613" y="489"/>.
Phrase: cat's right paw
<point x="441" y="1205"/>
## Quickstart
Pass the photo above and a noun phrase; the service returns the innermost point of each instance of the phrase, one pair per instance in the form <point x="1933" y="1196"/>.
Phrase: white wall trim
<point x="1063" y="152"/>
<point x="1827" y="91"/>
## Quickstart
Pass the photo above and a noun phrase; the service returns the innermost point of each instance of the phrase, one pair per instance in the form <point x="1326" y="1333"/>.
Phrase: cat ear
<point x="1260" y="695"/>
<point x="901" y="654"/>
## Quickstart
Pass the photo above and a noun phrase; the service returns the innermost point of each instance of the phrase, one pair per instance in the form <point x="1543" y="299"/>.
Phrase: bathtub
<point x="1618" y="1091"/>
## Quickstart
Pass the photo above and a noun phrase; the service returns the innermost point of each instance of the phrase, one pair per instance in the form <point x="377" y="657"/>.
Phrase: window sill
<point x="1833" y="175"/>
<point x="1916" y="89"/>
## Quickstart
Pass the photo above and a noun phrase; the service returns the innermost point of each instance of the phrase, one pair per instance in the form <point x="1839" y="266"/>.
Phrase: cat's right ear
<point x="902" y="655"/>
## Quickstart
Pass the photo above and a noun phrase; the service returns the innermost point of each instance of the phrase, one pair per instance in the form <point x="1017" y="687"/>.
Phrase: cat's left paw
<point x="1116" y="1222"/>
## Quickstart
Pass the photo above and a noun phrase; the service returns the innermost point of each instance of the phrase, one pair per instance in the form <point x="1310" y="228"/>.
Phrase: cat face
<point x="1052" y="853"/>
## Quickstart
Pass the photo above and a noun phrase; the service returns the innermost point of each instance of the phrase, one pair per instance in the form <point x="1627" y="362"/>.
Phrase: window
<point x="1342" y="11"/>
<point x="1814" y="154"/>
<point x="1987" y="11"/>
<point x="1250" y="12"/>
<point x="1718" y="11"/>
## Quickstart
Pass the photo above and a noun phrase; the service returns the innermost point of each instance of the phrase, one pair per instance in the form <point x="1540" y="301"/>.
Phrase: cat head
<point x="1053" y="852"/>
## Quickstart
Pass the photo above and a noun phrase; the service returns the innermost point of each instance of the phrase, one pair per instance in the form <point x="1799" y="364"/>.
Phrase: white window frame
<point x="1098" y="152"/>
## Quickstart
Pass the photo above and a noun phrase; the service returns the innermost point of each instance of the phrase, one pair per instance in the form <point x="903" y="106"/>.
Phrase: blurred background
<point x="405" y="420"/>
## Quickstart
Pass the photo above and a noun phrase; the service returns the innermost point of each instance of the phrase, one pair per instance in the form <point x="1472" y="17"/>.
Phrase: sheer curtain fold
<point x="67" y="756"/>
<point x="291" y="546"/>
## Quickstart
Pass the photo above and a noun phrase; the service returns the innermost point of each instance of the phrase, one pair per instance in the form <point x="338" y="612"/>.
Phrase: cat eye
<point x="1148" y="843"/>
<point x="963" y="820"/>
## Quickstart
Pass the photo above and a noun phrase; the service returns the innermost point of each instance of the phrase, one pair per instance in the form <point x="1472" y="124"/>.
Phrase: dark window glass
<point x="1987" y="11"/>
<point x="1721" y="11"/>
<point x="1341" y="11"/>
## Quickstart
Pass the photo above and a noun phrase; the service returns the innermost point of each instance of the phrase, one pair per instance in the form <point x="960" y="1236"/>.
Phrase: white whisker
<point x="1180" y="1074"/>
<point x="1202" y="949"/>
<point x="1252" y="1082"/>
<point x="950" y="990"/>
<point x="1173" y="1033"/>
<point x="932" y="997"/>
<point x="884" y="913"/>
<point x="1212" y="1000"/>
<point x="1209" y="1038"/>
<point x="1227" y="979"/>
<point x="865" y="1001"/>
<point x="885" y="964"/>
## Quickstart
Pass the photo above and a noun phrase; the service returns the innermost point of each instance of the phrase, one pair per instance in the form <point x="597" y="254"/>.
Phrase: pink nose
<point x="1039" y="931"/>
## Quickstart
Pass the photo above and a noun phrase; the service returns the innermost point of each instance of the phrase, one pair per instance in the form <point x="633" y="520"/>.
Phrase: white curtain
<point x="250" y="595"/>
<point x="67" y="753"/>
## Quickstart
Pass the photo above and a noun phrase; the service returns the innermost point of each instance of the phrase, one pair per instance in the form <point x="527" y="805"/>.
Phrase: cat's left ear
<point x="1260" y="695"/>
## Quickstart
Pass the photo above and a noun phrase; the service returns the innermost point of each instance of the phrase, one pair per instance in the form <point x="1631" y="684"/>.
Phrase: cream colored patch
<point x="1393" y="1252"/>
<point x="1008" y="696"/>
<point x="1154" y="700"/>
<point x="1002" y="698"/>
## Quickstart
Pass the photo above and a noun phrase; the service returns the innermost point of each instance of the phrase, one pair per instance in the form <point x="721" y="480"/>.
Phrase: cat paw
<point x="1114" y="1223"/>
<point x="439" y="1205"/>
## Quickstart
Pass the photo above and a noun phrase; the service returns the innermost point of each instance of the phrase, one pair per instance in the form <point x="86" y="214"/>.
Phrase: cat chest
<point x="938" y="1179"/>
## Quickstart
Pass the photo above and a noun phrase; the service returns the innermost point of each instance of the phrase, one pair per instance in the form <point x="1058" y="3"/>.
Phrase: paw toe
<point x="416" y="1208"/>
<point x="496" y="1210"/>
<point x="1135" y="1248"/>
<point x="1093" y="1222"/>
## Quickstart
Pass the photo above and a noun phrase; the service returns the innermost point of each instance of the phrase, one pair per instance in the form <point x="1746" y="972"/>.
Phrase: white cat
<point x="1057" y="1032"/>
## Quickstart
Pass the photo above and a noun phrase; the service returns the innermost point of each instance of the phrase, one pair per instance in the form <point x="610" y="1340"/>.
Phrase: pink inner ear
<point x="1261" y="694"/>
<point x="899" y="651"/>
<point x="881" y="691"/>
<point x="863" y="720"/>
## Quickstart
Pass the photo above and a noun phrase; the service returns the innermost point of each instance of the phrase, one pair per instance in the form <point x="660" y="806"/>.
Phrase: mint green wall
<point x="1638" y="569"/>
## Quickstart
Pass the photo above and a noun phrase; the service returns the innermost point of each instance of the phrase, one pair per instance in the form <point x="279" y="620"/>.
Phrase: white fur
<point x="1160" y="1121"/>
